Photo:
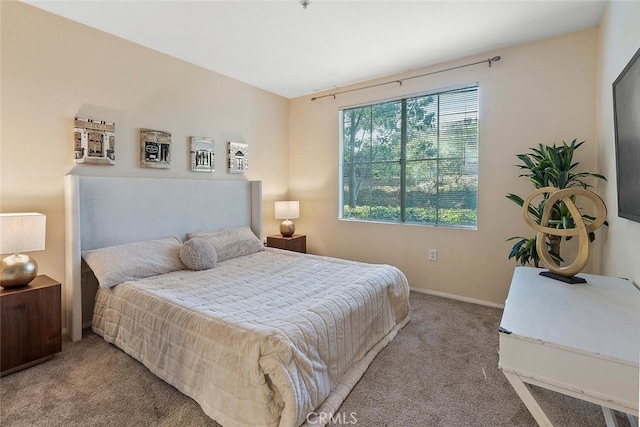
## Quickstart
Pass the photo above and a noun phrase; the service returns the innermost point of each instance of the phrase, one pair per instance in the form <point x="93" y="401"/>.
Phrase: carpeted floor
<point x="440" y="370"/>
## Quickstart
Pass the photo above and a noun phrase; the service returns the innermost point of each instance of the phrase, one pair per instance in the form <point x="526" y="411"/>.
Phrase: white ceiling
<point x="285" y="49"/>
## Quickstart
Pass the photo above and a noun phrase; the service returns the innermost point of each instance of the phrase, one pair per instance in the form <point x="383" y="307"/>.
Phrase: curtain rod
<point x="399" y="81"/>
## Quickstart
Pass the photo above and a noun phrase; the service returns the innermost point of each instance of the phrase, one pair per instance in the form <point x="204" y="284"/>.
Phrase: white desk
<point x="582" y="340"/>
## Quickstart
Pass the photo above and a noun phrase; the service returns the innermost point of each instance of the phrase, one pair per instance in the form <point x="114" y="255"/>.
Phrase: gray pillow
<point x="117" y="264"/>
<point x="231" y="242"/>
<point x="198" y="254"/>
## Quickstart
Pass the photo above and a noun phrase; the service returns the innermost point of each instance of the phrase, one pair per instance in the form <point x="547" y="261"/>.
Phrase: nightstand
<point x="30" y="324"/>
<point x="296" y="243"/>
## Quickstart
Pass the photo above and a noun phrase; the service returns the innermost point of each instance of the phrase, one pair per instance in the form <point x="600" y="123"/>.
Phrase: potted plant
<point x="549" y="166"/>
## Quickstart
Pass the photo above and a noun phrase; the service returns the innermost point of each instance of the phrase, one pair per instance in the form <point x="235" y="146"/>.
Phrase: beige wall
<point x="538" y="93"/>
<point x="619" y="39"/>
<point x="54" y="69"/>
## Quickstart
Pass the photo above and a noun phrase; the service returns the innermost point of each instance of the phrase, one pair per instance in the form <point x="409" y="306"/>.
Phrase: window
<point x="412" y="160"/>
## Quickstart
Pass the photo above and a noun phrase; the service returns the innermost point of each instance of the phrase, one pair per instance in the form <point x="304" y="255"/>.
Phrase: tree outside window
<point x="412" y="160"/>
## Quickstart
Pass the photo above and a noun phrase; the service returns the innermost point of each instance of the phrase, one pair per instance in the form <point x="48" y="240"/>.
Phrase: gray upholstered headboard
<point x="107" y="211"/>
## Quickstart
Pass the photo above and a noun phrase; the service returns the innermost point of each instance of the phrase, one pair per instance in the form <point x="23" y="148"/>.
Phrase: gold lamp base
<point x="17" y="270"/>
<point x="287" y="228"/>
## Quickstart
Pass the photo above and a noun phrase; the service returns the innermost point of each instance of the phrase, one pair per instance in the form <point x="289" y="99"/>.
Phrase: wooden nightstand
<point x="296" y="243"/>
<point x="30" y="324"/>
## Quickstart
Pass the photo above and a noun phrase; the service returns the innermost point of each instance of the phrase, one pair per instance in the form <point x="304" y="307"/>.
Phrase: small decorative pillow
<point x="231" y="242"/>
<point x="198" y="254"/>
<point x="117" y="264"/>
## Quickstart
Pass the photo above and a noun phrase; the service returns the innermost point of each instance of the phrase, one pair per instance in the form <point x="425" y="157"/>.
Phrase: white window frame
<point x="341" y="144"/>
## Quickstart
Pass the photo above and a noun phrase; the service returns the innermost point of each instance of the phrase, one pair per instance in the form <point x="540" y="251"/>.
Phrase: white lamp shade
<point x="22" y="232"/>
<point x="288" y="210"/>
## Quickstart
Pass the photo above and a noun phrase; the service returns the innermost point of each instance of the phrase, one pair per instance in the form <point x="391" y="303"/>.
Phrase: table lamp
<point x="20" y="232"/>
<point x="287" y="210"/>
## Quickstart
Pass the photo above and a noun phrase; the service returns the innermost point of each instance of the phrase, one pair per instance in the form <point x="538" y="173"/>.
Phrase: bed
<point x="266" y="337"/>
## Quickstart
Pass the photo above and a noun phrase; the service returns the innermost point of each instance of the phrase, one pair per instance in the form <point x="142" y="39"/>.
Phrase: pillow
<point x="117" y="264"/>
<point x="231" y="242"/>
<point x="198" y="254"/>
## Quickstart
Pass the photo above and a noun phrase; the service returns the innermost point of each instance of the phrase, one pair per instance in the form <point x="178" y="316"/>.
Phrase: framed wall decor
<point x="202" y="154"/>
<point x="94" y="142"/>
<point x="238" y="157"/>
<point x="155" y="149"/>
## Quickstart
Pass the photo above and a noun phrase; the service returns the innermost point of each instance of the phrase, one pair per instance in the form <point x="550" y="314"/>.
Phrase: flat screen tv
<point x="626" y="113"/>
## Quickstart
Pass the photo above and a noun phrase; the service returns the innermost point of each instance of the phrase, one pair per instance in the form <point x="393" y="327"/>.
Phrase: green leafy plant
<point x="549" y="166"/>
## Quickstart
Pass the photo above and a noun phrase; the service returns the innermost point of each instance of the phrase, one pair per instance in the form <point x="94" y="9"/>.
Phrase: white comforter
<point x="261" y="340"/>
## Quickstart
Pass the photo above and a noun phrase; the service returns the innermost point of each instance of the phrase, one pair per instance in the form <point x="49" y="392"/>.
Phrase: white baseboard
<point x="457" y="297"/>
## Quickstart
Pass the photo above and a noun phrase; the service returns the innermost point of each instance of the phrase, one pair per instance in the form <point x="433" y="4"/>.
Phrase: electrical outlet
<point x="433" y="255"/>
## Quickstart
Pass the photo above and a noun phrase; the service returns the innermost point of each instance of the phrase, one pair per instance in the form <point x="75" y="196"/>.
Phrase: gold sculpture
<point x="581" y="229"/>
